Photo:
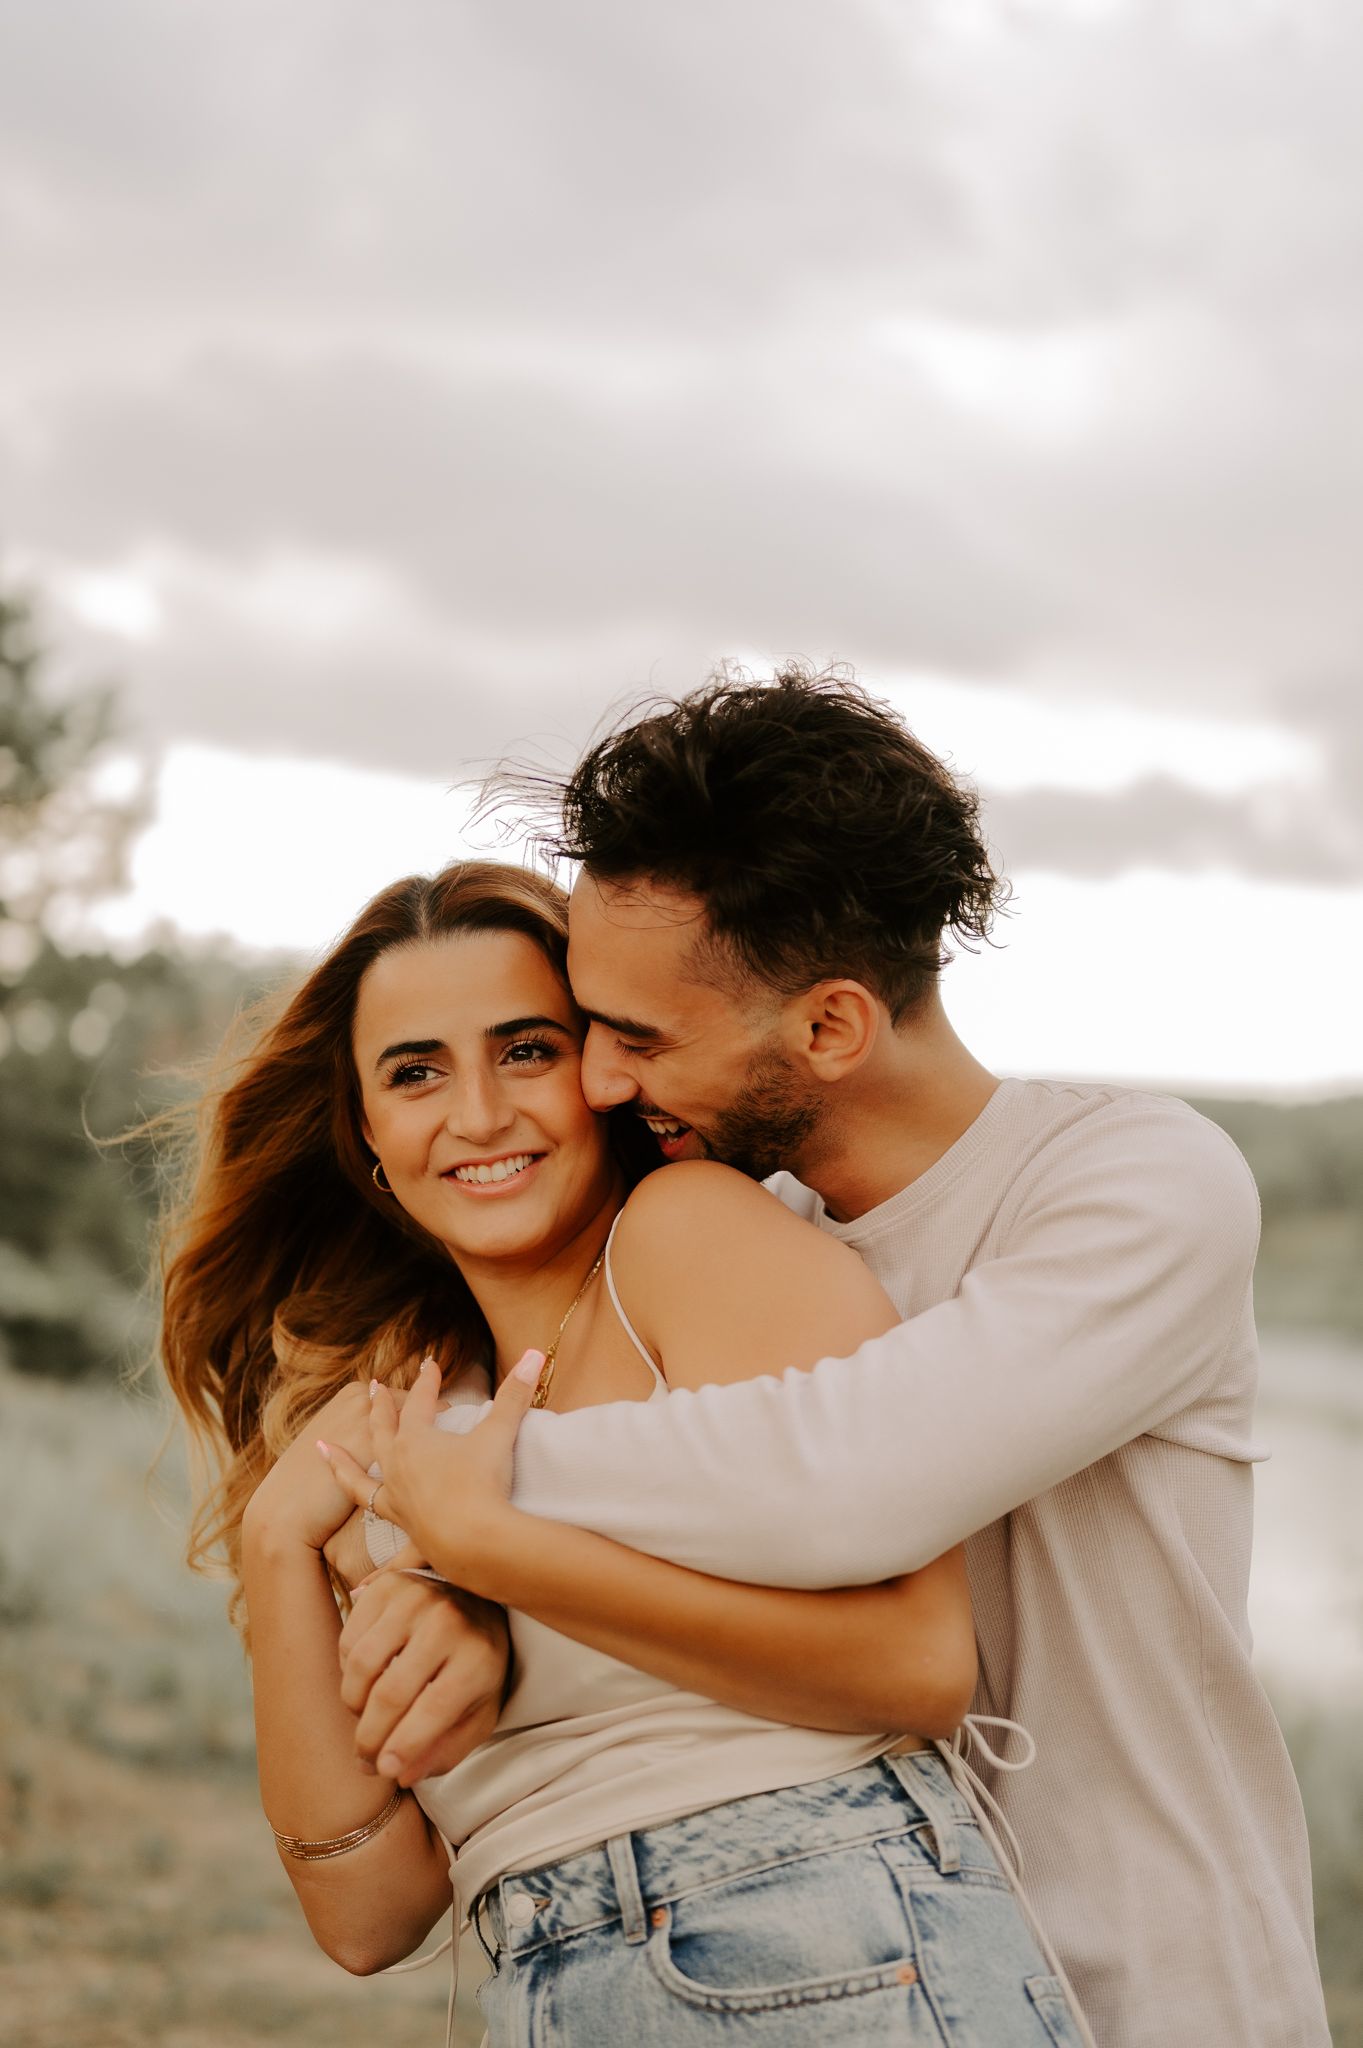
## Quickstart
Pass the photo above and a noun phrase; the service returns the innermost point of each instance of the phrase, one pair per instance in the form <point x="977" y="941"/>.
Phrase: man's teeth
<point x="500" y="1169"/>
<point x="665" y="1130"/>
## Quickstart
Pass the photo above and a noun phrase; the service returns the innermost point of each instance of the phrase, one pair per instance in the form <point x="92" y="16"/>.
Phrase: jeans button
<point x="520" y="1910"/>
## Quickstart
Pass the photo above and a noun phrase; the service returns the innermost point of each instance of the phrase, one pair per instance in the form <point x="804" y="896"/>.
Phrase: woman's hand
<point x="299" y="1498"/>
<point x="450" y="1493"/>
<point x="424" y="1667"/>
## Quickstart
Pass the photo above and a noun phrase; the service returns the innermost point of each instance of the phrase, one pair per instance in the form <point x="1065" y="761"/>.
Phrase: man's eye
<point x="634" y="1052"/>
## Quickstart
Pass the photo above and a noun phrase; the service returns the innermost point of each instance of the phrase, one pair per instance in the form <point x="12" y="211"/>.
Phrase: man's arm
<point x="1110" y="1308"/>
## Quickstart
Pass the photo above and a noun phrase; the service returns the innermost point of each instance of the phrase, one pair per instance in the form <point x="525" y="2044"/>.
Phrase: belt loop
<point x="916" y="1771"/>
<point x="620" y="1850"/>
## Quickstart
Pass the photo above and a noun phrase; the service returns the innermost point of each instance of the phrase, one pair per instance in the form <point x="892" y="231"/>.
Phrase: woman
<point x="704" y="1811"/>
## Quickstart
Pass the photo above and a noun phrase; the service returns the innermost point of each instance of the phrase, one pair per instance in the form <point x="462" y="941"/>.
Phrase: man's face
<point x="701" y="1062"/>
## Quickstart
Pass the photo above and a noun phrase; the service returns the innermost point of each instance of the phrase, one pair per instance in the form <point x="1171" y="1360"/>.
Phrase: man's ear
<point x="832" y="1028"/>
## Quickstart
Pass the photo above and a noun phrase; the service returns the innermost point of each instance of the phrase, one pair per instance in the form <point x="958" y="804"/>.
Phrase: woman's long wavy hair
<point x="286" y="1273"/>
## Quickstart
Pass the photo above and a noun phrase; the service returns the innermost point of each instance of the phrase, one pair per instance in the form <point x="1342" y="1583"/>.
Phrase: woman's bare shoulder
<point x="706" y="1258"/>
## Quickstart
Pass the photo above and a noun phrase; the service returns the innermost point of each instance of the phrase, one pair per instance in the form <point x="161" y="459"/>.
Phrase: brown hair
<point x="286" y="1273"/>
<point x="823" y="838"/>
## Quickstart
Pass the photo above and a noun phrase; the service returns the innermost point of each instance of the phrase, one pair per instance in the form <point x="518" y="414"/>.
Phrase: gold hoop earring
<point x="380" y="1183"/>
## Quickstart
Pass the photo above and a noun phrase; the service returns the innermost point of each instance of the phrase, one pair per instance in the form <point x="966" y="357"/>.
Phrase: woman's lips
<point x="488" y="1190"/>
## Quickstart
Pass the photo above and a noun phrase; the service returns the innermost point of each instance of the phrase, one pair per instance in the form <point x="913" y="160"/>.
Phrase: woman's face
<point x="467" y="1050"/>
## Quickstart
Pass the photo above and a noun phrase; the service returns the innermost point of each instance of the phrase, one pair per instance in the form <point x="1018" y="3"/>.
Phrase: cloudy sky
<point x="385" y="388"/>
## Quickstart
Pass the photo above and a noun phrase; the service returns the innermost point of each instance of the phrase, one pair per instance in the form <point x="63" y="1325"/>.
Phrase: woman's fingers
<point x="383" y="1417"/>
<point x="418" y="1410"/>
<point x="511" y="1404"/>
<point x="351" y="1476"/>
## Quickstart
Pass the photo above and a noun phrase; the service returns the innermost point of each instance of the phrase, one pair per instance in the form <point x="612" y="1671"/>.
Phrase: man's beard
<point x="772" y="1116"/>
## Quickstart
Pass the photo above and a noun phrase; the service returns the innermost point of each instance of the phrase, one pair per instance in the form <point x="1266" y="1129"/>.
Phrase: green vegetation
<point x="1307" y="1158"/>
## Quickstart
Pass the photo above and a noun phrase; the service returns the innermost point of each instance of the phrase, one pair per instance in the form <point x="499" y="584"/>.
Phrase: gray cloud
<point x="576" y="328"/>
<point x="1277" y="835"/>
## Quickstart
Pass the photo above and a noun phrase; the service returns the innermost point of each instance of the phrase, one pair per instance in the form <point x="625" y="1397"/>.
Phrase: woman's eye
<point x="412" y="1075"/>
<point x="530" y="1052"/>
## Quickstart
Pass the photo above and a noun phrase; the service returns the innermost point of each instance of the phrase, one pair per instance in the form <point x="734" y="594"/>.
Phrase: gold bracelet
<point x="339" y="1845"/>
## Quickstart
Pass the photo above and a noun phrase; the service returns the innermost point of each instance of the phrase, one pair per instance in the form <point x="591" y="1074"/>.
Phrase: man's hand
<point x="424" y="1667"/>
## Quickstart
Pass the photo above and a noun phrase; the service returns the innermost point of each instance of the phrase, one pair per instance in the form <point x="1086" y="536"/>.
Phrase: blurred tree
<point x="65" y="824"/>
<point x="88" y="1042"/>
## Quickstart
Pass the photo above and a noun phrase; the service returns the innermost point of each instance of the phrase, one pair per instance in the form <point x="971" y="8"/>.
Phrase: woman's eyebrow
<point x="406" y="1047"/>
<point x="519" y="1024"/>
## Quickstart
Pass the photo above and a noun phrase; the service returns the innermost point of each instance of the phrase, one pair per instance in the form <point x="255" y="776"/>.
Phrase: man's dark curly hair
<point x="823" y="839"/>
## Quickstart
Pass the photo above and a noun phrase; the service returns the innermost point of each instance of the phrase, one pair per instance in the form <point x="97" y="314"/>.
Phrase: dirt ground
<point x="142" y="1904"/>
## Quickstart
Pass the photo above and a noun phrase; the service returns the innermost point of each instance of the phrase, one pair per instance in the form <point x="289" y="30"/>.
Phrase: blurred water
<point x="1306" y="1590"/>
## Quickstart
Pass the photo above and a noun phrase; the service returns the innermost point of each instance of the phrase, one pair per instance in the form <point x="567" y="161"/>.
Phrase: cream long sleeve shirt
<point x="1072" y="1389"/>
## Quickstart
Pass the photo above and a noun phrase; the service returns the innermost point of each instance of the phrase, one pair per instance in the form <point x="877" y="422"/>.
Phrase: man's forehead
<point x="636" y="904"/>
<point x="631" y="948"/>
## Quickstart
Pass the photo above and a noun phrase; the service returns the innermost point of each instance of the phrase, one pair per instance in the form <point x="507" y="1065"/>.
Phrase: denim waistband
<point x="635" y="1874"/>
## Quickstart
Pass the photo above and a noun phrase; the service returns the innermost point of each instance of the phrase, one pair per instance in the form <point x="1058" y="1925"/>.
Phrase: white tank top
<point x="588" y="1747"/>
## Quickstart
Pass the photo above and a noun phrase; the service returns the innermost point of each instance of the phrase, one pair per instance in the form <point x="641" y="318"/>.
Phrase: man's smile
<point x="671" y="1133"/>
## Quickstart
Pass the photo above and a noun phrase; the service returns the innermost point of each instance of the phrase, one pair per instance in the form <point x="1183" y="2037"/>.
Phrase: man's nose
<point x="606" y="1080"/>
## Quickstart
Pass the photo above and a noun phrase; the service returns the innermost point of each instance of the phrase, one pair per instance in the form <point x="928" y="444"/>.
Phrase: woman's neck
<point x="524" y="1300"/>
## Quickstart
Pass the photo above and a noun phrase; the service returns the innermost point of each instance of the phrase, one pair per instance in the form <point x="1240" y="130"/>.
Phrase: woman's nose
<point x="481" y="1110"/>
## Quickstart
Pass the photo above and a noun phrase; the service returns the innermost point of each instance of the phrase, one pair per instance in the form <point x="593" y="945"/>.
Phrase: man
<point x="768" y="873"/>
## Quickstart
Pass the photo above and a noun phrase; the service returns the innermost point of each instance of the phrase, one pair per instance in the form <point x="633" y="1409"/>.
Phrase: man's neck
<point x="918" y="1096"/>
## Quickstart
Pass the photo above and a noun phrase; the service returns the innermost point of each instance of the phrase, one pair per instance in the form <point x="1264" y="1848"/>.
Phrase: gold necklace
<point x="540" y="1398"/>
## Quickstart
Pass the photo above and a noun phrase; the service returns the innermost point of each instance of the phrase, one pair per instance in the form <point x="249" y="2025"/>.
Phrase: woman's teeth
<point x="500" y="1169"/>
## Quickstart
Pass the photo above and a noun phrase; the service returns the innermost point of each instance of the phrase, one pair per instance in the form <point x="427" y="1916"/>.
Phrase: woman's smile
<point x="506" y="1174"/>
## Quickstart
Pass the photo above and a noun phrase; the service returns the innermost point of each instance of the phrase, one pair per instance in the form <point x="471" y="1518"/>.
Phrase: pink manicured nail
<point x="325" y="1449"/>
<point x="428" y="1364"/>
<point x="373" y="1388"/>
<point x="529" y="1368"/>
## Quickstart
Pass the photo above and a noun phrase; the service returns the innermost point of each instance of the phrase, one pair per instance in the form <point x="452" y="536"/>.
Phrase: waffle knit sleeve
<point x="1121" y="1271"/>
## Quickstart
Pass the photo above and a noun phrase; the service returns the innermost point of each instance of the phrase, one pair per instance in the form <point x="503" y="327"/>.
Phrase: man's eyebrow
<point x="516" y="1025"/>
<point x="625" y="1027"/>
<point x="406" y="1047"/>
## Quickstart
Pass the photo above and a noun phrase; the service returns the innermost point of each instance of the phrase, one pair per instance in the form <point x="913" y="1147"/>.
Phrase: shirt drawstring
<point x="458" y="1926"/>
<point x="996" y="1829"/>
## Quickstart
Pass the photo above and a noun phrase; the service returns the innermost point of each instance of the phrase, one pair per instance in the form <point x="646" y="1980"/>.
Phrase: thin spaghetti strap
<point x="626" y="1325"/>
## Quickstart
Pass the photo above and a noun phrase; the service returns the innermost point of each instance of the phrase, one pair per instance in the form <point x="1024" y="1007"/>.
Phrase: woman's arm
<point x="374" y="1904"/>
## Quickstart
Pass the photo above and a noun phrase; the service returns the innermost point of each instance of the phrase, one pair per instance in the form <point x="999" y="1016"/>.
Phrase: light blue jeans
<point x="866" y="1909"/>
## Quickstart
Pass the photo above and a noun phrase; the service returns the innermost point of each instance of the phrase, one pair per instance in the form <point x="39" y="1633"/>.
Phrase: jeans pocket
<point x="822" y="1928"/>
<point x="1052" y="2008"/>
